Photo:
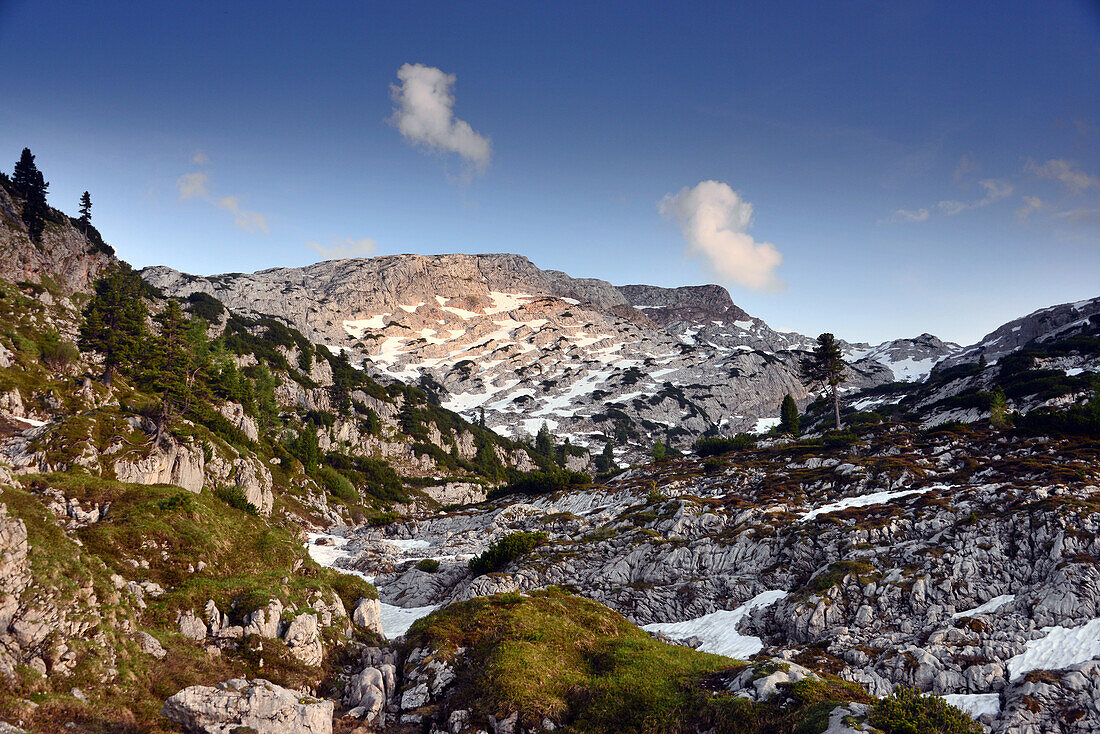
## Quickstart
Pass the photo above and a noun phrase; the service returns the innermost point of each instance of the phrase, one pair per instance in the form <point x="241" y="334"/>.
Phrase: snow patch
<point x="397" y="620"/>
<point x="1060" y="648"/>
<point x="717" y="631"/>
<point x="990" y="606"/>
<point x="976" y="704"/>
<point x="863" y="500"/>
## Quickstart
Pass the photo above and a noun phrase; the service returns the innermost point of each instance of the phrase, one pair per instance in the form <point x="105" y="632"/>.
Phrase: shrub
<point x="716" y="446"/>
<point x="504" y="551"/>
<point x="908" y="712"/>
<point x="234" y="497"/>
<point x="57" y="353"/>
<point x="337" y="484"/>
<point x="428" y="565"/>
<point x="541" y="482"/>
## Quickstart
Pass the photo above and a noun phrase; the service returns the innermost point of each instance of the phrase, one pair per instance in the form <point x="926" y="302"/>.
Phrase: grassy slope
<point x="551" y="654"/>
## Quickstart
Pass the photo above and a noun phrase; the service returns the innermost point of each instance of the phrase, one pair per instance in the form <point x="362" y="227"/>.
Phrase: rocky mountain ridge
<point x="594" y="362"/>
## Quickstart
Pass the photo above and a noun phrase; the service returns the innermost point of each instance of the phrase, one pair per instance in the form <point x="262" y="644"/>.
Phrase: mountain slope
<point x="594" y="362"/>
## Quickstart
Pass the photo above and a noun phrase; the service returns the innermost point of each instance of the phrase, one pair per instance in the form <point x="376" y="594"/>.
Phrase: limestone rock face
<point x="66" y="256"/>
<point x="265" y="621"/>
<point x="368" y="615"/>
<point x="174" y="463"/>
<point x="14" y="571"/>
<point x="257" y="705"/>
<point x="303" y="639"/>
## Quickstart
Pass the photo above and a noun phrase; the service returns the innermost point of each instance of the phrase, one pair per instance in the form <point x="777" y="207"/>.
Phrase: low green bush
<point x="541" y="482"/>
<point x="907" y="711"/>
<point x="716" y="446"/>
<point x="234" y="496"/>
<point x="337" y="484"/>
<point x="504" y="551"/>
<point x="428" y="565"/>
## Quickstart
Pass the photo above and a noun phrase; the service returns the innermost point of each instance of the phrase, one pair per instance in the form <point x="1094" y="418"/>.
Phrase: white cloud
<point x="197" y="186"/>
<point x="193" y="186"/>
<point x="424" y="114"/>
<point x="909" y="215"/>
<point x="995" y="190"/>
<point x="200" y="159"/>
<point x="1080" y="216"/>
<point x="345" y="248"/>
<point x="1065" y="171"/>
<point x="714" y="219"/>
<point x="246" y="220"/>
<point x="1031" y="205"/>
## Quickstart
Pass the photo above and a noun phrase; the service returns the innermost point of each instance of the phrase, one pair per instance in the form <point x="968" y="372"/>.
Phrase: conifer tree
<point x="85" y="210"/>
<point x="788" y="416"/>
<point x="544" y="442"/>
<point x="114" y="321"/>
<point x="605" y="462"/>
<point x="174" y="366"/>
<point x="31" y="185"/>
<point x="826" y="367"/>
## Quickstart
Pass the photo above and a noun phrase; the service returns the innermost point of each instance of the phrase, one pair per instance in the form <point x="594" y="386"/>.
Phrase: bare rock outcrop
<point x="242" y="705"/>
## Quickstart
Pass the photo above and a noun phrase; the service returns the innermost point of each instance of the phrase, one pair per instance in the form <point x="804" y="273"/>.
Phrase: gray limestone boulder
<point x="257" y="705"/>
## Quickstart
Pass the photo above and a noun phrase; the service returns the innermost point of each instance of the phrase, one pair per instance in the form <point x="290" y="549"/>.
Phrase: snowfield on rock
<point x="1058" y="648"/>
<point x="395" y="620"/>
<point x="717" y="632"/>
<point x="863" y="500"/>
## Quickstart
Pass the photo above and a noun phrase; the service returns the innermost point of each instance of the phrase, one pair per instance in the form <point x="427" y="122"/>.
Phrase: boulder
<point x="257" y="705"/>
<point x="265" y="620"/>
<point x="303" y="639"/>
<point x="150" y="645"/>
<point x="368" y="615"/>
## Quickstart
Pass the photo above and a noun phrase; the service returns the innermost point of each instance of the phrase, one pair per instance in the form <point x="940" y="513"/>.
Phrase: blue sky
<point x="915" y="166"/>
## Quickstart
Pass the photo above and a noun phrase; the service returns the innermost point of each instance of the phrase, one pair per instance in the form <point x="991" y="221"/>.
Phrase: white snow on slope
<point x="975" y="704"/>
<point x="763" y="425"/>
<point x="357" y="327"/>
<point x="1060" y="648"/>
<point x="406" y="544"/>
<point x="395" y="620"/>
<point x="718" y="630"/>
<point x="874" y="498"/>
<point x="990" y="606"/>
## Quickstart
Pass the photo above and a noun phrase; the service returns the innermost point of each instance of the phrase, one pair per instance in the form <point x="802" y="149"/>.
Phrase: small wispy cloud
<point x="246" y="220"/>
<point x="424" y="115"/>
<point x="907" y="215"/>
<point x="714" y="219"/>
<point x="1032" y="205"/>
<point x="1080" y="216"/>
<point x="193" y="186"/>
<point x="345" y="248"/>
<point x="996" y="189"/>
<point x="1067" y="172"/>
<point x="200" y="159"/>
<point x="196" y="185"/>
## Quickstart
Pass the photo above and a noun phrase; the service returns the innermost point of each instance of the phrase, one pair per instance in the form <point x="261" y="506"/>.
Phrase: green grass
<point x="554" y="655"/>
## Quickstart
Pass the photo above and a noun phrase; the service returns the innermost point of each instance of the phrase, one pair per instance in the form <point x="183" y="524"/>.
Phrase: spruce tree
<point x="31" y="186"/>
<point x="544" y="442"/>
<point x="605" y="462"/>
<point x="788" y="416"/>
<point x="826" y="367"/>
<point x="114" y="321"/>
<point x="173" y="367"/>
<point x="85" y="210"/>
